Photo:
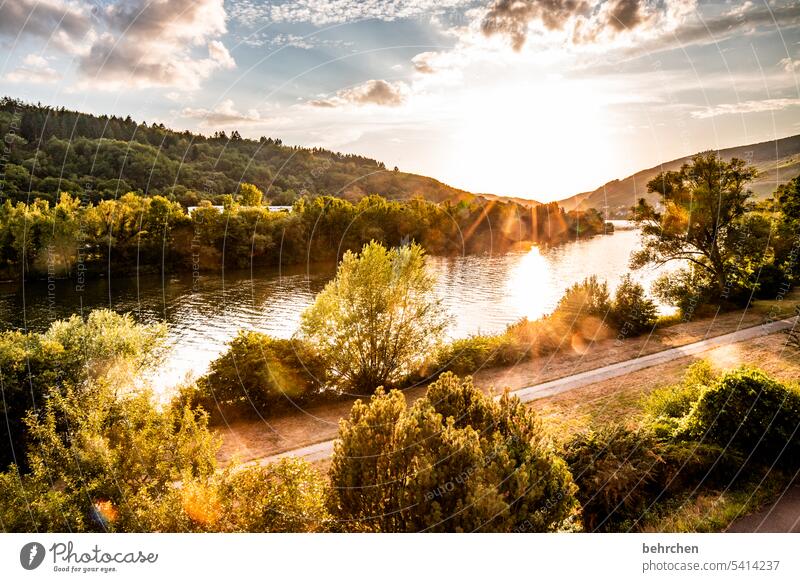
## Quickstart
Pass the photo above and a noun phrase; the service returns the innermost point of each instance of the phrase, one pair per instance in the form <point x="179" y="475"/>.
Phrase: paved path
<point x="323" y="450"/>
<point x="783" y="516"/>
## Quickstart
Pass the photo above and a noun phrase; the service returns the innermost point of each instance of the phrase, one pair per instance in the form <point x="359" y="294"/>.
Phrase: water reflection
<point x="483" y="294"/>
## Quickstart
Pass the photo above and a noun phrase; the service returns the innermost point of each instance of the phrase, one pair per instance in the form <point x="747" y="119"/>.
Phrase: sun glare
<point x="528" y="140"/>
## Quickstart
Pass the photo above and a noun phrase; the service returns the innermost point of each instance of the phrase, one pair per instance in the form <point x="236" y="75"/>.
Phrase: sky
<point x="533" y="98"/>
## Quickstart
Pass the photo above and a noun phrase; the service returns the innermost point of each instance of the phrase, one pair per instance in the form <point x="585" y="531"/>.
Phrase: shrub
<point x="590" y="297"/>
<point x="104" y="345"/>
<point x="468" y="355"/>
<point x="455" y="461"/>
<point x="114" y="470"/>
<point x="288" y="496"/>
<point x="667" y="407"/>
<point x="632" y="312"/>
<point x="261" y="373"/>
<point x="750" y="412"/>
<point x="615" y="469"/>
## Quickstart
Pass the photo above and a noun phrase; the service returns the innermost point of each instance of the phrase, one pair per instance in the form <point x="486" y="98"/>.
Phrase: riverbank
<point x="248" y="440"/>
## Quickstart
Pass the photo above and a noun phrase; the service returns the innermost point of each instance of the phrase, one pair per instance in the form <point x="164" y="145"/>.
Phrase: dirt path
<point x="783" y="516"/>
<point x="321" y="450"/>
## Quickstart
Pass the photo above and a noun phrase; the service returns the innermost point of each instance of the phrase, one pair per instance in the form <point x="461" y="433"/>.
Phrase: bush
<point x="632" y="312"/>
<point x="261" y="373"/>
<point x="288" y="496"/>
<point x="615" y="469"/>
<point x="455" y="461"/>
<point x="468" y="355"/>
<point x="590" y="297"/>
<point x="752" y="413"/>
<point x="668" y="407"/>
<point x="104" y="345"/>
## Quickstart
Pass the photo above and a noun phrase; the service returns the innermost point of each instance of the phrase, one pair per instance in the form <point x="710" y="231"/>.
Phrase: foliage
<point x="104" y="346"/>
<point x="632" y="312"/>
<point x="288" y="496"/>
<point x="100" y="462"/>
<point x="667" y="407"/>
<point x="615" y="469"/>
<point x="457" y="460"/>
<point x="261" y="373"/>
<point x="375" y="321"/>
<point x="750" y="412"/>
<point x="704" y="223"/>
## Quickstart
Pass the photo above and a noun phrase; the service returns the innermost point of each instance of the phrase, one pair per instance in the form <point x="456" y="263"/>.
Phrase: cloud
<point x="745" y="107"/>
<point x="34" y="69"/>
<point x="62" y="22"/>
<point x="583" y="21"/>
<point x="156" y="43"/>
<point x="790" y="65"/>
<point x="324" y="12"/>
<point x="224" y="114"/>
<point x="372" y="92"/>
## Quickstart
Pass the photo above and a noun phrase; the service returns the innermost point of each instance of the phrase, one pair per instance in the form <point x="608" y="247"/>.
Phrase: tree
<point x="250" y="195"/>
<point x="457" y="460"/>
<point x="632" y="311"/>
<point x="375" y="322"/>
<point x="702" y="223"/>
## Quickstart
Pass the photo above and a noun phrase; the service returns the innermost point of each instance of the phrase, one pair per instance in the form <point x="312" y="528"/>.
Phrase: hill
<point x="100" y="157"/>
<point x="777" y="162"/>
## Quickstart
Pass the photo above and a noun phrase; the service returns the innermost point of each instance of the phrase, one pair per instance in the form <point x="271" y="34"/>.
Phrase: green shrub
<point x="468" y="355"/>
<point x="455" y="461"/>
<point x="668" y="407"/>
<point x="590" y="297"/>
<point x="616" y="470"/>
<point x="632" y="312"/>
<point x="288" y="496"/>
<point x="261" y="373"/>
<point x="752" y="413"/>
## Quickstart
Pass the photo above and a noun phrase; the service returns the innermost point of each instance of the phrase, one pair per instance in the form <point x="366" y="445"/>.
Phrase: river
<point x="482" y="293"/>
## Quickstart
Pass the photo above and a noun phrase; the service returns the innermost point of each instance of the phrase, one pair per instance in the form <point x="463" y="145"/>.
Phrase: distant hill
<point x="777" y="162"/>
<point x="99" y="156"/>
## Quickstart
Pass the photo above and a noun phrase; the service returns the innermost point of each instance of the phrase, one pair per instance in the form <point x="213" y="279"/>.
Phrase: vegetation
<point x="376" y="320"/>
<point x="72" y="353"/>
<point x="74" y="238"/>
<point x="455" y="461"/>
<point x="705" y="222"/>
<point x="260" y="373"/>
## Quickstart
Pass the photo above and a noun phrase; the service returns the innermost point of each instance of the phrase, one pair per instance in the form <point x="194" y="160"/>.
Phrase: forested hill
<point x="100" y="157"/>
<point x="776" y="161"/>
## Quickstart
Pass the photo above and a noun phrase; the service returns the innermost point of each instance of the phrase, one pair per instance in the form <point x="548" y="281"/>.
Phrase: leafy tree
<point x="632" y="312"/>
<point x="376" y="320"/>
<point x="250" y="195"/>
<point x="702" y="223"/>
<point x="457" y="460"/>
<point x="75" y="351"/>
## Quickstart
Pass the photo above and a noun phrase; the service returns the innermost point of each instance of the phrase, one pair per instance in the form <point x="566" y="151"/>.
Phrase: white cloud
<point x="790" y="65"/>
<point x="745" y="107"/>
<point x="372" y="92"/>
<point x="323" y="12"/>
<point x="34" y="69"/>
<point x="225" y="114"/>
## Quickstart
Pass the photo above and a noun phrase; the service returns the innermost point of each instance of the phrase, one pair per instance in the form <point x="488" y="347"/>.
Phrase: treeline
<point x="52" y="150"/>
<point x="74" y="236"/>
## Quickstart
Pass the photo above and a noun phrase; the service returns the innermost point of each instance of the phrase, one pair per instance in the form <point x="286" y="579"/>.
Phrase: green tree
<point x="702" y="223"/>
<point x="250" y="195"/>
<point x="632" y="312"/>
<point x="378" y="318"/>
<point x="457" y="460"/>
